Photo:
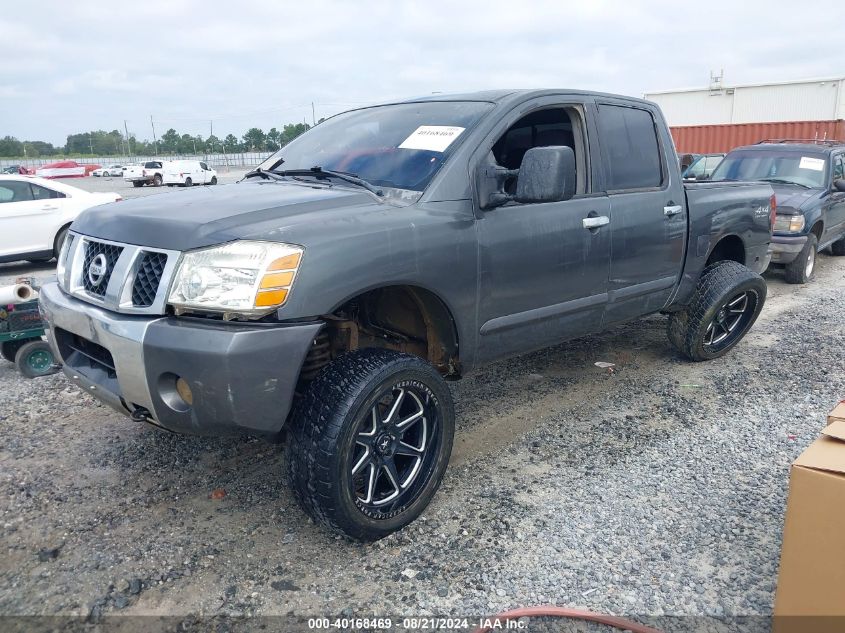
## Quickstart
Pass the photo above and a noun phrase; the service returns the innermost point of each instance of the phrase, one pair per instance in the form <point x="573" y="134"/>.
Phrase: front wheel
<point x="214" y="180"/>
<point x="724" y="306"/>
<point x="369" y="442"/>
<point x="800" y="270"/>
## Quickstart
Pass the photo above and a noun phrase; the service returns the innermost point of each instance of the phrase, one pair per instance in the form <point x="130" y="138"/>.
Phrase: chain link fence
<point x="218" y="161"/>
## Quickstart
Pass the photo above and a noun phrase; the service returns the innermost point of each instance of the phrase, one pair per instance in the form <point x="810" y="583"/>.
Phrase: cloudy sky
<point x="74" y="66"/>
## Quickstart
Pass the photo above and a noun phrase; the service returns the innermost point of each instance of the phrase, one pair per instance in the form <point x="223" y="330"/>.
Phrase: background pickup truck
<point x="332" y="292"/>
<point x="150" y="173"/>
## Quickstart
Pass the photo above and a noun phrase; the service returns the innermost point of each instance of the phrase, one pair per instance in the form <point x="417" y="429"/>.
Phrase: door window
<point x="838" y="168"/>
<point x="631" y="150"/>
<point x="543" y="128"/>
<point x="204" y="166"/>
<point x="43" y="193"/>
<point x="11" y="191"/>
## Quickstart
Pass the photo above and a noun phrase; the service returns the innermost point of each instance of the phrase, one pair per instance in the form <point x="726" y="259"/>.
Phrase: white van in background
<point x="188" y="172"/>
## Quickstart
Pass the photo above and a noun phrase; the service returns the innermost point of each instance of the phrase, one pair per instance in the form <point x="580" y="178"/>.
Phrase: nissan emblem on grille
<point x="97" y="270"/>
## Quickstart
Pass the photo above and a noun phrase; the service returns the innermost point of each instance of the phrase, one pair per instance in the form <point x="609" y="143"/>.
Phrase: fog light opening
<point x="175" y="392"/>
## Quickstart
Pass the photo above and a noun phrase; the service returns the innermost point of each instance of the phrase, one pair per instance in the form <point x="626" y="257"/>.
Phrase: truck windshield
<point x="398" y="146"/>
<point x="790" y="167"/>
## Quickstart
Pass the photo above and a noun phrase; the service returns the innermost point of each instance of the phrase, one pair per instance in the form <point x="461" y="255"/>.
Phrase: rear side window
<point x="42" y="193"/>
<point x="838" y="168"/>
<point x="630" y="147"/>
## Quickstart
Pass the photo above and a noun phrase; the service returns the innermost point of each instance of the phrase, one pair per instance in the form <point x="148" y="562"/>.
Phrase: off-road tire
<point x="324" y="427"/>
<point x="838" y="247"/>
<point x="719" y="285"/>
<point x="796" y="270"/>
<point x="157" y="180"/>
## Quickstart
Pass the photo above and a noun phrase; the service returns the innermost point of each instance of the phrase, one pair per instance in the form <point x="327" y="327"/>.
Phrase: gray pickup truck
<point x="333" y="291"/>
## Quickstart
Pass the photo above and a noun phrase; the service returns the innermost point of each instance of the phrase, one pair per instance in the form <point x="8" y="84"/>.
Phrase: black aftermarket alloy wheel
<point x="726" y="302"/>
<point x="369" y="442"/>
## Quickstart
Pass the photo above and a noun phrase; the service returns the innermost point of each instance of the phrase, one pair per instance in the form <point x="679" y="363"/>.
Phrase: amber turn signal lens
<point x="184" y="391"/>
<point x="276" y="280"/>
<point x="269" y="298"/>
<point x="288" y="262"/>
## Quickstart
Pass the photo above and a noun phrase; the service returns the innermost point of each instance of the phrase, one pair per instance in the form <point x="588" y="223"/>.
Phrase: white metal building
<point x="803" y="100"/>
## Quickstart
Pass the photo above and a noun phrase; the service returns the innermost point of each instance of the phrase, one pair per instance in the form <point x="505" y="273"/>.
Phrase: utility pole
<point x="313" y="116"/>
<point x="155" y="141"/>
<point x="91" y="143"/>
<point x="128" y="142"/>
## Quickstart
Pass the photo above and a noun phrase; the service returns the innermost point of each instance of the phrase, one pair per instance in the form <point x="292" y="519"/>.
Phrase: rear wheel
<point x="369" y="442"/>
<point x="35" y="359"/>
<point x="726" y="303"/>
<point x="137" y="183"/>
<point x="838" y="247"/>
<point x="157" y="180"/>
<point x="800" y="270"/>
<point x="188" y="181"/>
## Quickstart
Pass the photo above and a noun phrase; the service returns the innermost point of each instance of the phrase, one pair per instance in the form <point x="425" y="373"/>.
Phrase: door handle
<point x="595" y="222"/>
<point x="671" y="210"/>
<point x="49" y="207"/>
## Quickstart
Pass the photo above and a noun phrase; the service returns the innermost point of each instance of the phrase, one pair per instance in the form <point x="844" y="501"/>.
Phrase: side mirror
<point x="547" y="174"/>
<point x="839" y="184"/>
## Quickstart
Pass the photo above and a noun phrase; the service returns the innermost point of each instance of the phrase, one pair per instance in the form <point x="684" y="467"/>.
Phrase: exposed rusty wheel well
<point x="729" y="248"/>
<point x="409" y="319"/>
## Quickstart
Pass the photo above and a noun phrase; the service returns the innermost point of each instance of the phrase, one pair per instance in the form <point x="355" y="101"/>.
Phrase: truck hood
<point x="205" y="216"/>
<point x="792" y="196"/>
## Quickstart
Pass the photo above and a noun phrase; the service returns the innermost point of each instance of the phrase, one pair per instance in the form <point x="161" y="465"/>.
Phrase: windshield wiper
<point x="263" y="173"/>
<point x="786" y="182"/>
<point x="319" y="172"/>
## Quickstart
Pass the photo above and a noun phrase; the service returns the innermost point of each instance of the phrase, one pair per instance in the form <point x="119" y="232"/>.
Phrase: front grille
<point x="92" y="250"/>
<point x="148" y="279"/>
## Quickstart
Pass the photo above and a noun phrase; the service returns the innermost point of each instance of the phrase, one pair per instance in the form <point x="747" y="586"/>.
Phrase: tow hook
<point x="141" y="414"/>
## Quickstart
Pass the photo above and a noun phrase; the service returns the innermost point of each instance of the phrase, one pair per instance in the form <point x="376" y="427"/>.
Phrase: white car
<point x="111" y="170"/>
<point x="188" y="172"/>
<point x="35" y="214"/>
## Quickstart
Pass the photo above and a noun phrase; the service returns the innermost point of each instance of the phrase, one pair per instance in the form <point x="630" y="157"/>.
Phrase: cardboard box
<point x="811" y="581"/>
<point x="838" y="413"/>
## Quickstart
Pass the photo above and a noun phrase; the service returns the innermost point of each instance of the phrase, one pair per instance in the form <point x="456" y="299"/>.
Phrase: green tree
<point x="254" y="139"/>
<point x="169" y="141"/>
<point x="274" y="138"/>
<point x="291" y="131"/>
<point x="231" y="143"/>
<point x="212" y="144"/>
<point x="10" y="146"/>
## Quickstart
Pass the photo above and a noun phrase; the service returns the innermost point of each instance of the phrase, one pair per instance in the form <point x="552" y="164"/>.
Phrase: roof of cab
<point x="502" y="95"/>
<point x="803" y="148"/>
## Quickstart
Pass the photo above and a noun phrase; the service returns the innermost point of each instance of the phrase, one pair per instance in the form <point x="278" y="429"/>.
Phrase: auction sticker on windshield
<point x="435" y="138"/>
<point x="816" y="164"/>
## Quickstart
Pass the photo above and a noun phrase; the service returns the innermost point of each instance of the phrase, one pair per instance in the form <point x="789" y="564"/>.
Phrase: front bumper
<point x="242" y="376"/>
<point x="785" y="248"/>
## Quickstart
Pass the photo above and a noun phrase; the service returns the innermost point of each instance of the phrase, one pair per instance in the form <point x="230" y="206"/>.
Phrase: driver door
<point x="542" y="273"/>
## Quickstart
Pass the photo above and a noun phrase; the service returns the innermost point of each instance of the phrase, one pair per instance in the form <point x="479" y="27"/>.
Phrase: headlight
<point x="62" y="265"/>
<point x="789" y="223"/>
<point x="239" y="278"/>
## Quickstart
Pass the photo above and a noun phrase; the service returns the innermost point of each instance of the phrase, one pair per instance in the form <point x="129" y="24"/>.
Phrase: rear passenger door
<point x="648" y="211"/>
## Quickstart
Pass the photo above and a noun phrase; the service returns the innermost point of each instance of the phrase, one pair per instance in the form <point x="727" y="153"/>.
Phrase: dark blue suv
<point x="809" y="182"/>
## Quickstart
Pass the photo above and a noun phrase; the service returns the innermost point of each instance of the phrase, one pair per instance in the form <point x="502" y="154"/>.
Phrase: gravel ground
<point x="658" y="489"/>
